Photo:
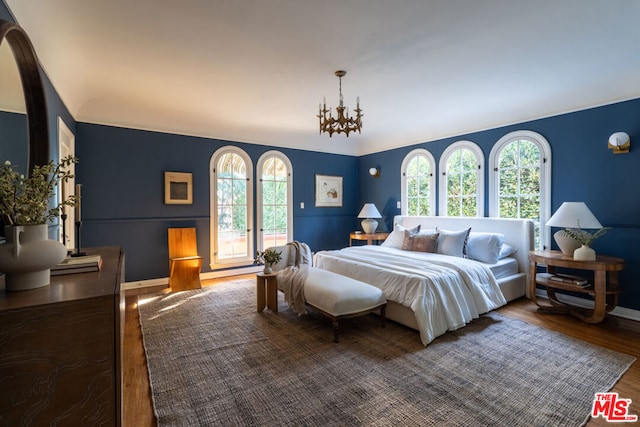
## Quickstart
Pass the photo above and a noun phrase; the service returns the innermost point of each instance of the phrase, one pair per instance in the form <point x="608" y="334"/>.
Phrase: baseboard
<point x="621" y="312"/>
<point x="203" y="276"/>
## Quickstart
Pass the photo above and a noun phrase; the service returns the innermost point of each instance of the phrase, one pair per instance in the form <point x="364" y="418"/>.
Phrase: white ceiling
<point x="255" y="70"/>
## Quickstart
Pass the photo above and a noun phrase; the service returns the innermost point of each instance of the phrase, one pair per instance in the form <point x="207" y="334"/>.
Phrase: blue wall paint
<point x="122" y="173"/>
<point x="15" y="137"/>
<point x="583" y="169"/>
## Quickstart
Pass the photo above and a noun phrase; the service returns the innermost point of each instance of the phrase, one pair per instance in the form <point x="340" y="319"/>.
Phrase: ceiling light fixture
<point x="343" y="123"/>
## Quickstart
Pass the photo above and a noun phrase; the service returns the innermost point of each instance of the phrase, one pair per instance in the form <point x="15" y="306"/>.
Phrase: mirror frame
<point x="33" y="89"/>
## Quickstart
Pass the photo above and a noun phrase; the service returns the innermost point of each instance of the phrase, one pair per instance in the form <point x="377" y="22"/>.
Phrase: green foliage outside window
<point x="274" y="202"/>
<point x="231" y="182"/>
<point x="519" y="183"/>
<point x="418" y="190"/>
<point x="462" y="183"/>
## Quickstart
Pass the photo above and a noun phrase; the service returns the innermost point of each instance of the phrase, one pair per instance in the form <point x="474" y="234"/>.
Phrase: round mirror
<point x="19" y="46"/>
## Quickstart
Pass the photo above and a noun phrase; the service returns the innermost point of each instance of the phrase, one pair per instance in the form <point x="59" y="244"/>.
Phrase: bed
<point x="437" y="292"/>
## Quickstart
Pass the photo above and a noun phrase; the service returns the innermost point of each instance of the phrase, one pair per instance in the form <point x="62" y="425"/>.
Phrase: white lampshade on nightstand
<point x="574" y="215"/>
<point x="369" y="211"/>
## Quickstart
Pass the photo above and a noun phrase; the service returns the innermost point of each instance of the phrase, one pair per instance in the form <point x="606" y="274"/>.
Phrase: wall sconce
<point x="620" y="142"/>
<point x="374" y="172"/>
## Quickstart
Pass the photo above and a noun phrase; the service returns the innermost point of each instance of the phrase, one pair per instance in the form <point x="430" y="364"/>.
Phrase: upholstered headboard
<point x="517" y="232"/>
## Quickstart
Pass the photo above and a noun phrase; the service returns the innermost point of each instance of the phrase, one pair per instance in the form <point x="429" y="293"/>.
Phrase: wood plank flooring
<point x="618" y="335"/>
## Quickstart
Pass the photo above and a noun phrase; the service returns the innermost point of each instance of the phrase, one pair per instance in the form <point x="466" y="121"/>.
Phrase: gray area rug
<point x="214" y="361"/>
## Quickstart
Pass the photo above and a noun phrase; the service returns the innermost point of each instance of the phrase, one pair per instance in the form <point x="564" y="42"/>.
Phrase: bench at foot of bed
<point x="339" y="297"/>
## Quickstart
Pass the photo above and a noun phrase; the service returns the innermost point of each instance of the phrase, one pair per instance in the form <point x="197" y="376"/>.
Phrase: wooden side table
<point x="370" y="238"/>
<point x="603" y="283"/>
<point x="267" y="282"/>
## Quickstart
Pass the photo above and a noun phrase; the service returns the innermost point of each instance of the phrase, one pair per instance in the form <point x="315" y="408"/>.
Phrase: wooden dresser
<point x="61" y="349"/>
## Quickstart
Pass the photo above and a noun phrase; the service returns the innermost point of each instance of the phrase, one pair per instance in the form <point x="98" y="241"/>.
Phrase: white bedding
<point x="444" y="292"/>
<point x="504" y="268"/>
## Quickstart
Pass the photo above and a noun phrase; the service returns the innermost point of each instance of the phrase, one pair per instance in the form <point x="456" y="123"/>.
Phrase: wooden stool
<point x="269" y="282"/>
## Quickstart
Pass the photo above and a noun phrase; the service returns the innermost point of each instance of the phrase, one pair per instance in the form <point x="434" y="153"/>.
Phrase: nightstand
<point x="370" y="238"/>
<point x="602" y="283"/>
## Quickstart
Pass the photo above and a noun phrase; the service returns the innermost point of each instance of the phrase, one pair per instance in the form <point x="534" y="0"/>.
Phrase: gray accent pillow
<point x="452" y="242"/>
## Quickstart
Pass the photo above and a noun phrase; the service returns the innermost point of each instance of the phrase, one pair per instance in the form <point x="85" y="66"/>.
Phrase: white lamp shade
<point x="619" y="139"/>
<point x="369" y="210"/>
<point x="574" y="215"/>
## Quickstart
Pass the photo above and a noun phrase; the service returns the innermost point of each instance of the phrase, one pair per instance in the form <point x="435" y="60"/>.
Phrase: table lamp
<point x="369" y="211"/>
<point x="576" y="216"/>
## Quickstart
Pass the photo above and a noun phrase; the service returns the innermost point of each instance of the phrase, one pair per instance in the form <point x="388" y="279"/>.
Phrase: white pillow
<point x="452" y="242"/>
<point x="506" y="250"/>
<point x="485" y="247"/>
<point x="395" y="239"/>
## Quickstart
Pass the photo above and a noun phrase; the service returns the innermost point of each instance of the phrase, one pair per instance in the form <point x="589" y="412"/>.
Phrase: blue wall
<point x="15" y="134"/>
<point x="122" y="173"/>
<point x="583" y="169"/>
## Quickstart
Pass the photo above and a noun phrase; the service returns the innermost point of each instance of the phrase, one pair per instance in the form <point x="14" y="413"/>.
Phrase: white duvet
<point x="444" y="292"/>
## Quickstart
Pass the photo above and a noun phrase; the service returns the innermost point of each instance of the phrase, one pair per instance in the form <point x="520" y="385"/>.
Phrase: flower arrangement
<point x="268" y="257"/>
<point x="584" y="237"/>
<point x="25" y="200"/>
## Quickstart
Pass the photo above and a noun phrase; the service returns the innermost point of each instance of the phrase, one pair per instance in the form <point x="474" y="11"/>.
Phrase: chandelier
<point x="342" y="123"/>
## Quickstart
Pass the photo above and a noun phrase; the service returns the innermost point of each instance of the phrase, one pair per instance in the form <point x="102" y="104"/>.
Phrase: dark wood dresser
<point x="61" y="349"/>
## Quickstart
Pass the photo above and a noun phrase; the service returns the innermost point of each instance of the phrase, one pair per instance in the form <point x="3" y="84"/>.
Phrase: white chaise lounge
<point x="335" y="296"/>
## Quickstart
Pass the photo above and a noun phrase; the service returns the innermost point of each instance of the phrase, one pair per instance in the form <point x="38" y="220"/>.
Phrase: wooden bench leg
<point x="336" y="329"/>
<point x="383" y="312"/>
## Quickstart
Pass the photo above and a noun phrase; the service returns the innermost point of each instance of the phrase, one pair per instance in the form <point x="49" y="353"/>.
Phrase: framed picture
<point x="328" y="191"/>
<point x="178" y="188"/>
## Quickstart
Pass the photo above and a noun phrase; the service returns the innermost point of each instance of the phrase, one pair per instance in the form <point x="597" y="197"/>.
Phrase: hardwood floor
<point x="619" y="335"/>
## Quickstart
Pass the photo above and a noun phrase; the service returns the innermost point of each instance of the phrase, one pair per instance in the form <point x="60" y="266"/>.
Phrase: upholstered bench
<point x="335" y="296"/>
<point x="340" y="297"/>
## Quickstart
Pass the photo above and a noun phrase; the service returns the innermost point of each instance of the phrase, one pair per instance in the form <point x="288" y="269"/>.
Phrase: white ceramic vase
<point x="267" y="269"/>
<point x="27" y="257"/>
<point x="584" y="253"/>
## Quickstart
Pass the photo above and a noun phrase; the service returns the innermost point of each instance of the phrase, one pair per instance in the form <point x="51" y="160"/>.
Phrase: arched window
<point x="418" y="178"/>
<point x="274" y="200"/>
<point x="520" y="181"/>
<point x="231" y="207"/>
<point x="462" y="183"/>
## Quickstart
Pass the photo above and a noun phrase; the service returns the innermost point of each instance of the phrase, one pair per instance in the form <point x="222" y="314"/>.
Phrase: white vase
<point x="584" y="253"/>
<point x="27" y="257"/>
<point x="267" y="269"/>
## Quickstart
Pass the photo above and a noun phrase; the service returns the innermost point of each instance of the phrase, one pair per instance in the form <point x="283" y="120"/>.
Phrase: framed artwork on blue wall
<point x="328" y="191"/>
<point x="178" y="188"/>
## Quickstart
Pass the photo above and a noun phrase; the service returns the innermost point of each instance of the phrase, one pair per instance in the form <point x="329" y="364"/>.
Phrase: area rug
<point x="214" y="361"/>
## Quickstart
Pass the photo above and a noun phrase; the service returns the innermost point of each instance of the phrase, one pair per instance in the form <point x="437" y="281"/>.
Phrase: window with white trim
<point x="274" y="200"/>
<point x="520" y="181"/>
<point x="418" y="178"/>
<point x="231" y="207"/>
<point x="462" y="180"/>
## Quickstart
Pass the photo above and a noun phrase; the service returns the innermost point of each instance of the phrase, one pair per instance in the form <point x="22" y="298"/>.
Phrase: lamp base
<point x="369" y="225"/>
<point x="566" y="243"/>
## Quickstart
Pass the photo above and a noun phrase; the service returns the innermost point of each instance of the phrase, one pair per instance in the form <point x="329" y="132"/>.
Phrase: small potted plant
<point x="268" y="258"/>
<point x="585" y="252"/>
